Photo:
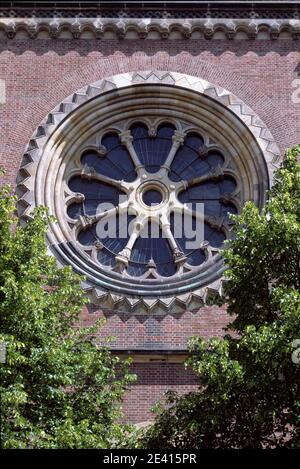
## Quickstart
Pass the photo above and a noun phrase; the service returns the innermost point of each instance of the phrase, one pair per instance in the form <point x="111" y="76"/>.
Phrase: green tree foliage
<point x="250" y="380"/>
<point x="58" y="389"/>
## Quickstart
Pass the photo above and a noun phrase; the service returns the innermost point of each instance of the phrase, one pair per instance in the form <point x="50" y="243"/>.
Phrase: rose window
<point x="157" y="175"/>
<point x="125" y="165"/>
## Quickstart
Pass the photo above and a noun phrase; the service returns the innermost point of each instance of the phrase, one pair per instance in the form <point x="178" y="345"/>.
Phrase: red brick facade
<point x="154" y="380"/>
<point x="39" y="74"/>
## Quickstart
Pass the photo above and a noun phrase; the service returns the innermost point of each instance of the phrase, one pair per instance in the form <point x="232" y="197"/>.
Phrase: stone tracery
<point x="163" y="160"/>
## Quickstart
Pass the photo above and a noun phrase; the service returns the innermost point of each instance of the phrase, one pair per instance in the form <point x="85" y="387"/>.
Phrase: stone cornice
<point x="123" y="27"/>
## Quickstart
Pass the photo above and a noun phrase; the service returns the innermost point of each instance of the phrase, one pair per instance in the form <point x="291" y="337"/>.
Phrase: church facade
<point x="131" y="121"/>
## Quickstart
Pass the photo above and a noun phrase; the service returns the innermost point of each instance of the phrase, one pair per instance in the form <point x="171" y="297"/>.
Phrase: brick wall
<point x="41" y="73"/>
<point x="153" y="381"/>
<point x="147" y="332"/>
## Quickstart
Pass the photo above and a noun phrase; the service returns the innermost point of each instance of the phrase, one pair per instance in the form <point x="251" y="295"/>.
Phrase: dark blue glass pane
<point x="208" y="190"/>
<point x="215" y="238"/>
<point x="135" y="269"/>
<point x="196" y="256"/>
<point x="152" y="197"/>
<point x="139" y="131"/>
<point x="208" y="194"/>
<point x="95" y="192"/>
<point x="200" y="192"/>
<point x="111" y="141"/>
<point x="214" y="158"/>
<point x="75" y="210"/>
<point x="227" y="185"/>
<point x="194" y="141"/>
<point x="152" y="152"/>
<point x="88" y="237"/>
<point x="107" y="258"/>
<point x="147" y="248"/>
<point x="187" y="164"/>
<point x="119" y="158"/>
<point x="184" y="158"/>
<point x="165" y="131"/>
<point x="228" y="208"/>
<point x="116" y="164"/>
<point x="114" y="244"/>
<point x="213" y="208"/>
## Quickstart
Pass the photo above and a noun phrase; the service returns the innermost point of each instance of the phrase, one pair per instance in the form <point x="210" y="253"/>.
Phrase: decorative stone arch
<point x="66" y="129"/>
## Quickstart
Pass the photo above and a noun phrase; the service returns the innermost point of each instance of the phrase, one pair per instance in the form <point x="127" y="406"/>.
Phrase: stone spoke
<point x="89" y="173"/>
<point x="178" y="255"/>
<point x="86" y="221"/>
<point x="177" y="139"/>
<point x="126" y="139"/>
<point x="215" y="174"/>
<point x="123" y="256"/>
<point x="208" y="249"/>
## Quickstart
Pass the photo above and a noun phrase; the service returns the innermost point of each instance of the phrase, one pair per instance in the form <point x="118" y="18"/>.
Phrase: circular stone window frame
<point x="221" y="113"/>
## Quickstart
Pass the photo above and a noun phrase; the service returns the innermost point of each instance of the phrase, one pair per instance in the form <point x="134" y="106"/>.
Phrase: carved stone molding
<point x="126" y="28"/>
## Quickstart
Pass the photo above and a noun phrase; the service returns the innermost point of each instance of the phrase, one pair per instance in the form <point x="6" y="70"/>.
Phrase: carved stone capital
<point x="86" y="221"/>
<point x="203" y="152"/>
<point x="216" y="173"/>
<point x="88" y="172"/>
<point x="179" y="256"/>
<point x="126" y="138"/>
<point x="152" y="132"/>
<point x="226" y="198"/>
<point x="98" y="245"/>
<point x="102" y="150"/>
<point x="76" y="29"/>
<point x="178" y="138"/>
<point x="32" y="30"/>
<point x="11" y="30"/>
<point x="124" y="256"/>
<point x="216" y="222"/>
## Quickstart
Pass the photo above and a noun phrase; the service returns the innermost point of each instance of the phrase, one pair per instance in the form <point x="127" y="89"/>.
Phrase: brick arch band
<point x="40" y="179"/>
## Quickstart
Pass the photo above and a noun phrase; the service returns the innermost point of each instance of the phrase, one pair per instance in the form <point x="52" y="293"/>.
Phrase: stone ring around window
<point x="122" y="169"/>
